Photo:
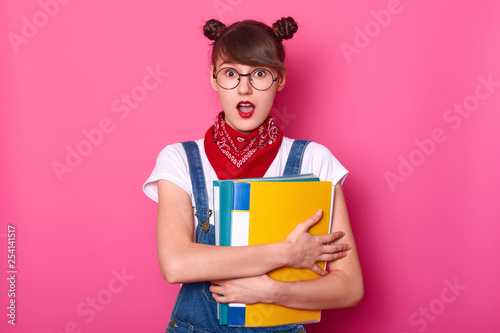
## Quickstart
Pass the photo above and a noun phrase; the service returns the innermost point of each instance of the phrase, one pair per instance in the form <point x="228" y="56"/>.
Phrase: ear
<point x="212" y="80"/>
<point x="281" y="79"/>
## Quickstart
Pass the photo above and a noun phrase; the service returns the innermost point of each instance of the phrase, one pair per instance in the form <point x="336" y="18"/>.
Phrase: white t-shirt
<point x="172" y="165"/>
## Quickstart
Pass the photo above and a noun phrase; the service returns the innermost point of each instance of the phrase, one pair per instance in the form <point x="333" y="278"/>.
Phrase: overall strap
<point x="294" y="161"/>
<point x="198" y="183"/>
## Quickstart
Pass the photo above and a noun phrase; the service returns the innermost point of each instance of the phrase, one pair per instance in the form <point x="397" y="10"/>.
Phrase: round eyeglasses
<point x="229" y="78"/>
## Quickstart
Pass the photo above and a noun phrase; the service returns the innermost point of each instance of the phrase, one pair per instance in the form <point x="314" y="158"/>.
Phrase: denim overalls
<point x="195" y="309"/>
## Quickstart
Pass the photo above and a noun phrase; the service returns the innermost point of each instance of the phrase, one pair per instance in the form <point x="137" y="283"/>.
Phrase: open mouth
<point x="245" y="109"/>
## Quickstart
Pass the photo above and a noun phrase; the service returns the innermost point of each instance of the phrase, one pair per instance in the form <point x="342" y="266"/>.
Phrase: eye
<point x="260" y="73"/>
<point x="230" y="73"/>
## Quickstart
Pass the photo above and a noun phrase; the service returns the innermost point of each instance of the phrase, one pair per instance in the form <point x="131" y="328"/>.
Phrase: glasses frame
<point x="249" y="79"/>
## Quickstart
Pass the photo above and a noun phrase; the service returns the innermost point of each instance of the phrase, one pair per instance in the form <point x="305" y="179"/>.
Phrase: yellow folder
<point x="275" y="209"/>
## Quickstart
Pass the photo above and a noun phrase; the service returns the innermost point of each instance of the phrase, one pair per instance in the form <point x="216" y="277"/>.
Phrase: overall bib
<point x="195" y="309"/>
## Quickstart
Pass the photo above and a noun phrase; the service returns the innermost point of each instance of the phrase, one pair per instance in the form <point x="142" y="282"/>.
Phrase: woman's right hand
<point x="306" y="249"/>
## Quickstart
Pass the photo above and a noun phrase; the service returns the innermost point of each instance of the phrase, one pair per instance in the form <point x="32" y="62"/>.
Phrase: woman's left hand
<point x="250" y="290"/>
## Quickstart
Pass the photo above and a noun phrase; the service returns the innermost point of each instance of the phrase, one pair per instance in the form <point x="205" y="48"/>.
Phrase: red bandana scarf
<point x="234" y="155"/>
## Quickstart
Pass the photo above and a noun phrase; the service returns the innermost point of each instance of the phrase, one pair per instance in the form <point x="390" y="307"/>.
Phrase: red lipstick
<point x="245" y="109"/>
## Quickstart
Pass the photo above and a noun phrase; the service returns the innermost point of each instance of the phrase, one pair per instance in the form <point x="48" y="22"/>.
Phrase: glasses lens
<point x="261" y="79"/>
<point x="228" y="78"/>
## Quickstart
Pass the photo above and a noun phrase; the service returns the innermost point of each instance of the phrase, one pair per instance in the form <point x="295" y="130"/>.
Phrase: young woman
<point x="247" y="70"/>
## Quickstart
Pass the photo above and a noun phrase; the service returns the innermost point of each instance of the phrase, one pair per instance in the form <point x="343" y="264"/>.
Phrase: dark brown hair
<point x="250" y="42"/>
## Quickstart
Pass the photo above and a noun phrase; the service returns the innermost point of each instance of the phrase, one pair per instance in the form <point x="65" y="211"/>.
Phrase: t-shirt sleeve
<point x="320" y="161"/>
<point x="171" y="165"/>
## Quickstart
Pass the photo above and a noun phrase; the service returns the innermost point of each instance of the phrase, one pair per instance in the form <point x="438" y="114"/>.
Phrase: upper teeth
<point x="245" y="104"/>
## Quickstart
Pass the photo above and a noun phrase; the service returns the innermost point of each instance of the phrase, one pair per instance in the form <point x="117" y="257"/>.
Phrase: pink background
<point x="374" y="92"/>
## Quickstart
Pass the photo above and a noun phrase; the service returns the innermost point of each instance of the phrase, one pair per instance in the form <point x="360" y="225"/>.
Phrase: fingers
<point x="334" y="252"/>
<point x="313" y="219"/>
<point x="331" y="252"/>
<point x="332" y="256"/>
<point x="216" y="291"/>
<point x="327" y="238"/>
<point x="220" y="298"/>
<point x="318" y="270"/>
<point x="332" y="248"/>
<point x="215" y="287"/>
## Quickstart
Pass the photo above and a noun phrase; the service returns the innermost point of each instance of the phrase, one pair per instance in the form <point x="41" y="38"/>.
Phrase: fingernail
<point x="348" y="247"/>
<point x="319" y="211"/>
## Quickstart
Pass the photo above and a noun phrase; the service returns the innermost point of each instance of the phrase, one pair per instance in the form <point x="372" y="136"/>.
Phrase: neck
<point x="237" y="130"/>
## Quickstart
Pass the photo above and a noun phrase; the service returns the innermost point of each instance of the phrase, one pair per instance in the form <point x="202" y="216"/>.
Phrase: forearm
<point x="195" y="262"/>
<point x="336" y="290"/>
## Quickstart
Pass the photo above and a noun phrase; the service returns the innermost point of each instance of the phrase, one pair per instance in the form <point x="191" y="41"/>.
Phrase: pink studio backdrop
<point x="406" y="94"/>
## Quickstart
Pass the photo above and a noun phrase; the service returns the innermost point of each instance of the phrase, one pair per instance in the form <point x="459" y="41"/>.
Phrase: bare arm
<point x="343" y="287"/>
<point x="182" y="260"/>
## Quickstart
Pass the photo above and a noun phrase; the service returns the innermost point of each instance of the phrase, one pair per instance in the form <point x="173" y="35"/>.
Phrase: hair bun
<point x="285" y="27"/>
<point x="213" y="29"/>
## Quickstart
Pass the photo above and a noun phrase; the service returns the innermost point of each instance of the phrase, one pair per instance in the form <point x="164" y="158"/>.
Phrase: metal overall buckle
<point x="205" y="226"/>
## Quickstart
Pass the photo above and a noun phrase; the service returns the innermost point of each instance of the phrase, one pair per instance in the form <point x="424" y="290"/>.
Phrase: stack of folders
<point x="265" y="210"/>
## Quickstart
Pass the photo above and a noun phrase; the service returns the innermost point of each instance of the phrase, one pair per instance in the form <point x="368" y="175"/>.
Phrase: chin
<point x="246" y="125"/>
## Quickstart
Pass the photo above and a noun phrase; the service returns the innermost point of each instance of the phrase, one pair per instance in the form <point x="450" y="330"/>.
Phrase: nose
<point x="244" y="87"/>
